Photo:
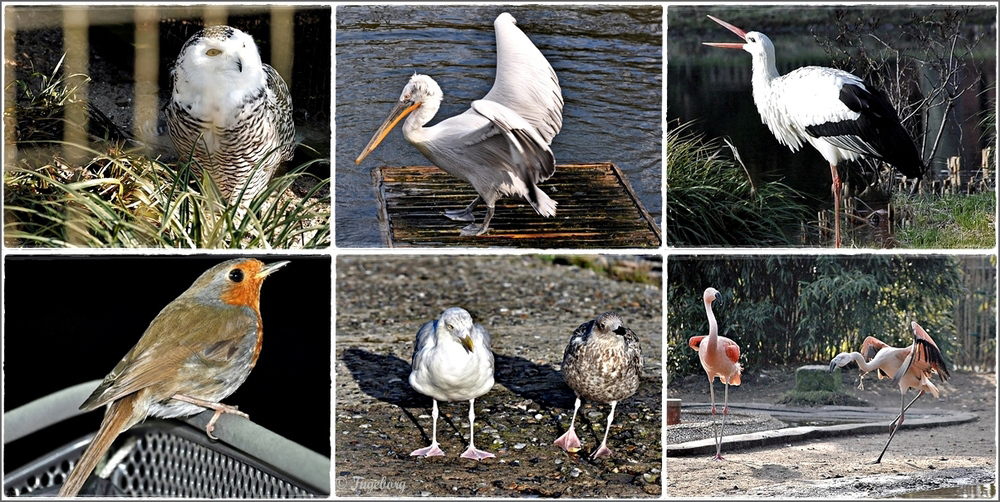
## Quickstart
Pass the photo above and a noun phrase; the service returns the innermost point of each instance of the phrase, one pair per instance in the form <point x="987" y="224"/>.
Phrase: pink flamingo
<point x="720" y="357"/>
<point x="910" y="367"/>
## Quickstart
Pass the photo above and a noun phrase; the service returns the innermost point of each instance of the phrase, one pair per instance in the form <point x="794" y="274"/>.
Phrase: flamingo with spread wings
<point x="909" y="367"/>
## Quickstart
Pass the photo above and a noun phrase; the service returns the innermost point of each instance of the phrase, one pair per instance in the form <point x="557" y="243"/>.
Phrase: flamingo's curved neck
<point x="864" y="365"/>
<point x="713" y="325"/>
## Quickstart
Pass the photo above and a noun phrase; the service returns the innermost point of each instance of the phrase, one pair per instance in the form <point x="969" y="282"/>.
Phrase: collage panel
<point x="145" y="126"/>
<point x="420" y="338"/>
<point x="900" y="98"/>
<point x="830" y="252"/>
<point x="186" y="326"/>
<point x="553" y="112"/>
<point x="791" y="338"/>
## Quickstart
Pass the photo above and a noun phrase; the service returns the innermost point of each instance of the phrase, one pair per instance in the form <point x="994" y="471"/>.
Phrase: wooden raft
<point x="597" y="208"/>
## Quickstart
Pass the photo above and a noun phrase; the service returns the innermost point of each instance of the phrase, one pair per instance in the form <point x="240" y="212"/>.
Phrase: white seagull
<point x="501" y="144"/>
<point x="452" y="361"/>
<point x="834" y="111"/>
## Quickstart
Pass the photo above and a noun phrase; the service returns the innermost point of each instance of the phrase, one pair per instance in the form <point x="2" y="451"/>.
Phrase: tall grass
<point x="950" y="221"/>
<point x="711" y="200"/>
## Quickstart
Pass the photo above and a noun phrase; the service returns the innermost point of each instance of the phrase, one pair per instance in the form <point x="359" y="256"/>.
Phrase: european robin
<point x="197" y="351"/>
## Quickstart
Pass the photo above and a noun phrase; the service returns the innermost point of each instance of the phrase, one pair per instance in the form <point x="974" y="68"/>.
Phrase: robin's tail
<point x="119" y="417"/>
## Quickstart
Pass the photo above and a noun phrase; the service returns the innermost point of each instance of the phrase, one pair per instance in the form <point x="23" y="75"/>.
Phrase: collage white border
<point x="333" y="252"/>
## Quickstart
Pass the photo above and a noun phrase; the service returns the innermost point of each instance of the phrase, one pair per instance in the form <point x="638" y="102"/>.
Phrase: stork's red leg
<point x="836" y="204"/>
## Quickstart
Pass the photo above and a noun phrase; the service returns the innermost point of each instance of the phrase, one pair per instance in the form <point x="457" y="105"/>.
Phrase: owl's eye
<point x="213" y="52"/>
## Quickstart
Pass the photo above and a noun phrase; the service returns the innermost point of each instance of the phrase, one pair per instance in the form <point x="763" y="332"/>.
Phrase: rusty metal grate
<point x="597" y="209"/>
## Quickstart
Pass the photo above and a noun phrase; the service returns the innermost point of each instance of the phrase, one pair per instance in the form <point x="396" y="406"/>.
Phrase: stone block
<point x="817" y="378"/>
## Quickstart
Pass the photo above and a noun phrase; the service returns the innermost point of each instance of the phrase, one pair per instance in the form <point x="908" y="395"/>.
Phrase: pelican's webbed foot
<point x="459" y="214"/>
<point x="464" y="214"/>
<point x="473" y="229"/>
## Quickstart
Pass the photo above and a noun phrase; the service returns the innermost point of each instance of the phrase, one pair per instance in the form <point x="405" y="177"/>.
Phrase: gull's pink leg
<point x="433" y="450"/>
<point x="569" y="441"/>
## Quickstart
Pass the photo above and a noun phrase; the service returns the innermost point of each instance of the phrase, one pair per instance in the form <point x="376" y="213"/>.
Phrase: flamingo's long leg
<point x="725" y="411"/>
<point x="897" y="423"/>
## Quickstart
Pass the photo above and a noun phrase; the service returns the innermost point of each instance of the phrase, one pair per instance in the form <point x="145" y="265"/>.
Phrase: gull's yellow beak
<point x="467" y="343"/>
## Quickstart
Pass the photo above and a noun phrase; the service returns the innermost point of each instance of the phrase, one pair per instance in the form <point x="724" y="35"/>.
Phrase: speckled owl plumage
<point x="230" y="111"/>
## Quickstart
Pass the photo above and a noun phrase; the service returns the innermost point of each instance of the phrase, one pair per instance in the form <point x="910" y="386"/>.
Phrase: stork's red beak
<point x="731" y="28"/>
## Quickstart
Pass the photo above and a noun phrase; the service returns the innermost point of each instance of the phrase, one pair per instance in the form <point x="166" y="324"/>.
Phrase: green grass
<point x="946" y="221"/>
<point x="711" y="200"/>
<point x="640" y="272"/>
<point x="112" y="196"/>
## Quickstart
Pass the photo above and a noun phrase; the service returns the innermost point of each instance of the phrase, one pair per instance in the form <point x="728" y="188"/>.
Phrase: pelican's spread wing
<point x="528" y="153"/>
<point x="525" y="81"/>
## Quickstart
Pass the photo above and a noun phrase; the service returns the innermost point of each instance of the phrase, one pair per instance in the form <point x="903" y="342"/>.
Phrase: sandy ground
<point x="917" y="459"/>
<point x="531" y="308"/>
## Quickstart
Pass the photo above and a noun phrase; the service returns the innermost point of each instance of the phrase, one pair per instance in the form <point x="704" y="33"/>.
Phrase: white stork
<point x="832" y="110"/>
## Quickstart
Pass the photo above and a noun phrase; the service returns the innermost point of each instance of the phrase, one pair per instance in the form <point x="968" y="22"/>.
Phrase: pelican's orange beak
<point x="402" y="109"/>
<point x="731" y="28"/>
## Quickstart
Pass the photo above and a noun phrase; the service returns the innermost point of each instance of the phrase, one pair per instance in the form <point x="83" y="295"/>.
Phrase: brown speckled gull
<point x="602" y="363"/>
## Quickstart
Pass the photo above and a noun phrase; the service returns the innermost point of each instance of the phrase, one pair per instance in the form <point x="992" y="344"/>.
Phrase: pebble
<point x="538" y="416"/>
<point x="425" y="494"/>
<point x="519" y="446"/>
<point x="575" y="472"/>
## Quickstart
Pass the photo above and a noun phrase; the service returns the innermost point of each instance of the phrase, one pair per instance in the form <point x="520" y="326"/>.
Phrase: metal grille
<point x="48" y="472"/>
<point x="162" y="460"/>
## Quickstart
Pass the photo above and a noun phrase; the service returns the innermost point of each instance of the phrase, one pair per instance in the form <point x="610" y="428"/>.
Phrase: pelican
<point x="501" y="144"/>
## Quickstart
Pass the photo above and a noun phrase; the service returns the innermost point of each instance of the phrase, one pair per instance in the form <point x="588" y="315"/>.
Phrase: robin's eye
<point x="236" y="275"/>
<point x="213" y="52"/>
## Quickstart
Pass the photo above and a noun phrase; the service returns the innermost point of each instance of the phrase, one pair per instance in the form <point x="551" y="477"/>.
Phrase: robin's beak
<point x="271" y="267"/>
<point x="467" y="343"/>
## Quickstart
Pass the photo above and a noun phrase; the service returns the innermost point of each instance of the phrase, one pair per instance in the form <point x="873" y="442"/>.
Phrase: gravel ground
<point x="918" y="459"/>
<point x="530" y="307"/>
<point x="698" y="425"/>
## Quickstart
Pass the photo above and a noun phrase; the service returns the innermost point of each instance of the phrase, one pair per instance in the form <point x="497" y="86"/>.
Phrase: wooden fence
<point x="975" y="315"/>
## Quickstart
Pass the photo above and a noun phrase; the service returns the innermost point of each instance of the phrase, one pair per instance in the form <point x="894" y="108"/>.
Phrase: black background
<point x="68" y="320"/>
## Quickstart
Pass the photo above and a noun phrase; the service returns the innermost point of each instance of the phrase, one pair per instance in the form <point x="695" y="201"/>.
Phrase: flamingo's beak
<point x="731" y="28"/>
<point x="402" y="109"/>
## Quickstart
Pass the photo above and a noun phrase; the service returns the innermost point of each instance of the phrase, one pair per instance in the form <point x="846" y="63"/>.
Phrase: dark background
<point x="68" y="320"/>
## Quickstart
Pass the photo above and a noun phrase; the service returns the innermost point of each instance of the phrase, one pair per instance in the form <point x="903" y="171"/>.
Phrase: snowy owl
<point x="231" y="111"/>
